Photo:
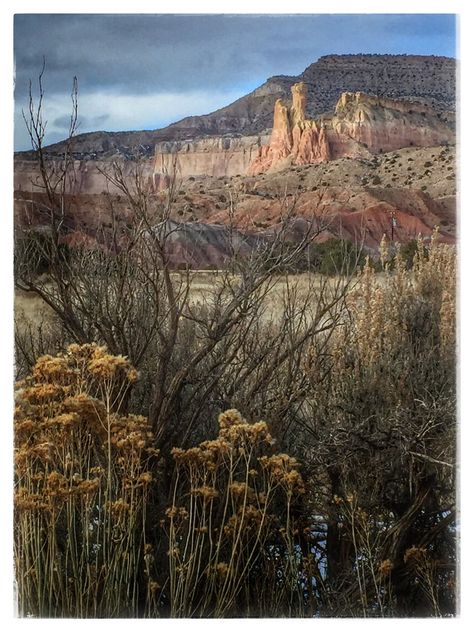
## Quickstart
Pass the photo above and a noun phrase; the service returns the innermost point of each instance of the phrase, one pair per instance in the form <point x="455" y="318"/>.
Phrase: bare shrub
<point x="195" y="359"/>
<point x="382" y="417"/>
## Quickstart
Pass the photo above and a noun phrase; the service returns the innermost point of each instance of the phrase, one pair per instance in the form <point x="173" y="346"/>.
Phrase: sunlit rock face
<point x="360" y="126"/>
<point x="217" y="156"/>
<point x="386" y="124"/>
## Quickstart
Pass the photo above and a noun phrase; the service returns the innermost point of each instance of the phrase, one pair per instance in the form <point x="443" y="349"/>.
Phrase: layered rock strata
<point x="429" y="80"/>
<point x="360" y="126"/>
<point x="225" y="156"/>
<point x="86" y="176"/>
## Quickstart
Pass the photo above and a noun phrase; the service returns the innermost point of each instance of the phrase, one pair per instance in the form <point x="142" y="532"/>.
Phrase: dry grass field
<point x="29" y="308"/>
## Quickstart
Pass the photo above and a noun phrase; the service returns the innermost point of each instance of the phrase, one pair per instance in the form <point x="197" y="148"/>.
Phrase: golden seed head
<point x="386" y="567"/>
<point x="414" y="554"/>
<point x="230" y="418"/>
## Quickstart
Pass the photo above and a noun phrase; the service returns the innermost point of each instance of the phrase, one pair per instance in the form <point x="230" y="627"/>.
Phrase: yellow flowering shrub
<point x="232" y="498"/>
<point x="82" y="478"/>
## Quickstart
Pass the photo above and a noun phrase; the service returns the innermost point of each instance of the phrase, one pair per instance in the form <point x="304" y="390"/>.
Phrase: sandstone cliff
<point x="211" y="156"/>
<point x="360" y="126"/>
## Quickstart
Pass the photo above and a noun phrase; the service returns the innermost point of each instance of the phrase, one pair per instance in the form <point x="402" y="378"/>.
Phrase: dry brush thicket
<point x="358" y="384"/>
<point x="131" y="501"/>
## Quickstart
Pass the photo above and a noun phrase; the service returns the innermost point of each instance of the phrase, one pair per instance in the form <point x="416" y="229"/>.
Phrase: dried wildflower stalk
<point x="381" y="420"/>
<point x="82" y="481"/>
<point x="231" y="525"/>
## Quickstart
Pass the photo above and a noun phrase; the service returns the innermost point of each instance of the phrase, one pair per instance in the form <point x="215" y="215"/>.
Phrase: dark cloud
<point x="150" y="53"/>
<point x="64" y="121"/>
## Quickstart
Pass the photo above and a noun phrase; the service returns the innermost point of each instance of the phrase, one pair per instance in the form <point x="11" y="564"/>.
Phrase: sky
<point x="146" y="71"/>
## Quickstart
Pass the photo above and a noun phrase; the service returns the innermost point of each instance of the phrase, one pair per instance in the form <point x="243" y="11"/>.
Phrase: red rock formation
<point x="310" y="143"/>
<point x="294" y="139"/>
<point x="365" y="218"/>
<point x="299" y="93"/>
<point x="281" y="133"/>
<point x="361" y="125"/>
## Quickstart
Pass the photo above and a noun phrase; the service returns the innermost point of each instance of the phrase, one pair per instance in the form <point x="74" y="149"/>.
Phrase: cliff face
<point x="385" y="124"/>
<point x="210" y="156"/>
<point x="216" y="157"/>
<point x="360" y="126"/>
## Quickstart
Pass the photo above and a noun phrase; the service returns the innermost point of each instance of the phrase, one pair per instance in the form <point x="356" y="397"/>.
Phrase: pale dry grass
<point x="232" y="524"/>
<point x="31" y="309"/>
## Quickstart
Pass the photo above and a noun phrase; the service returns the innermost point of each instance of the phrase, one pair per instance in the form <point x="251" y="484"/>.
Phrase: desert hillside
<point x="360" y="164"/>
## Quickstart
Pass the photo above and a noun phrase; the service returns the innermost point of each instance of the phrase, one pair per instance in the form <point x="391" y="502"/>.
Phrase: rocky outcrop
<point x="294" y="139"/>
<point x="211" y="156"/>
<point x="361" y="125"/>
<point x="384" y="124"/>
